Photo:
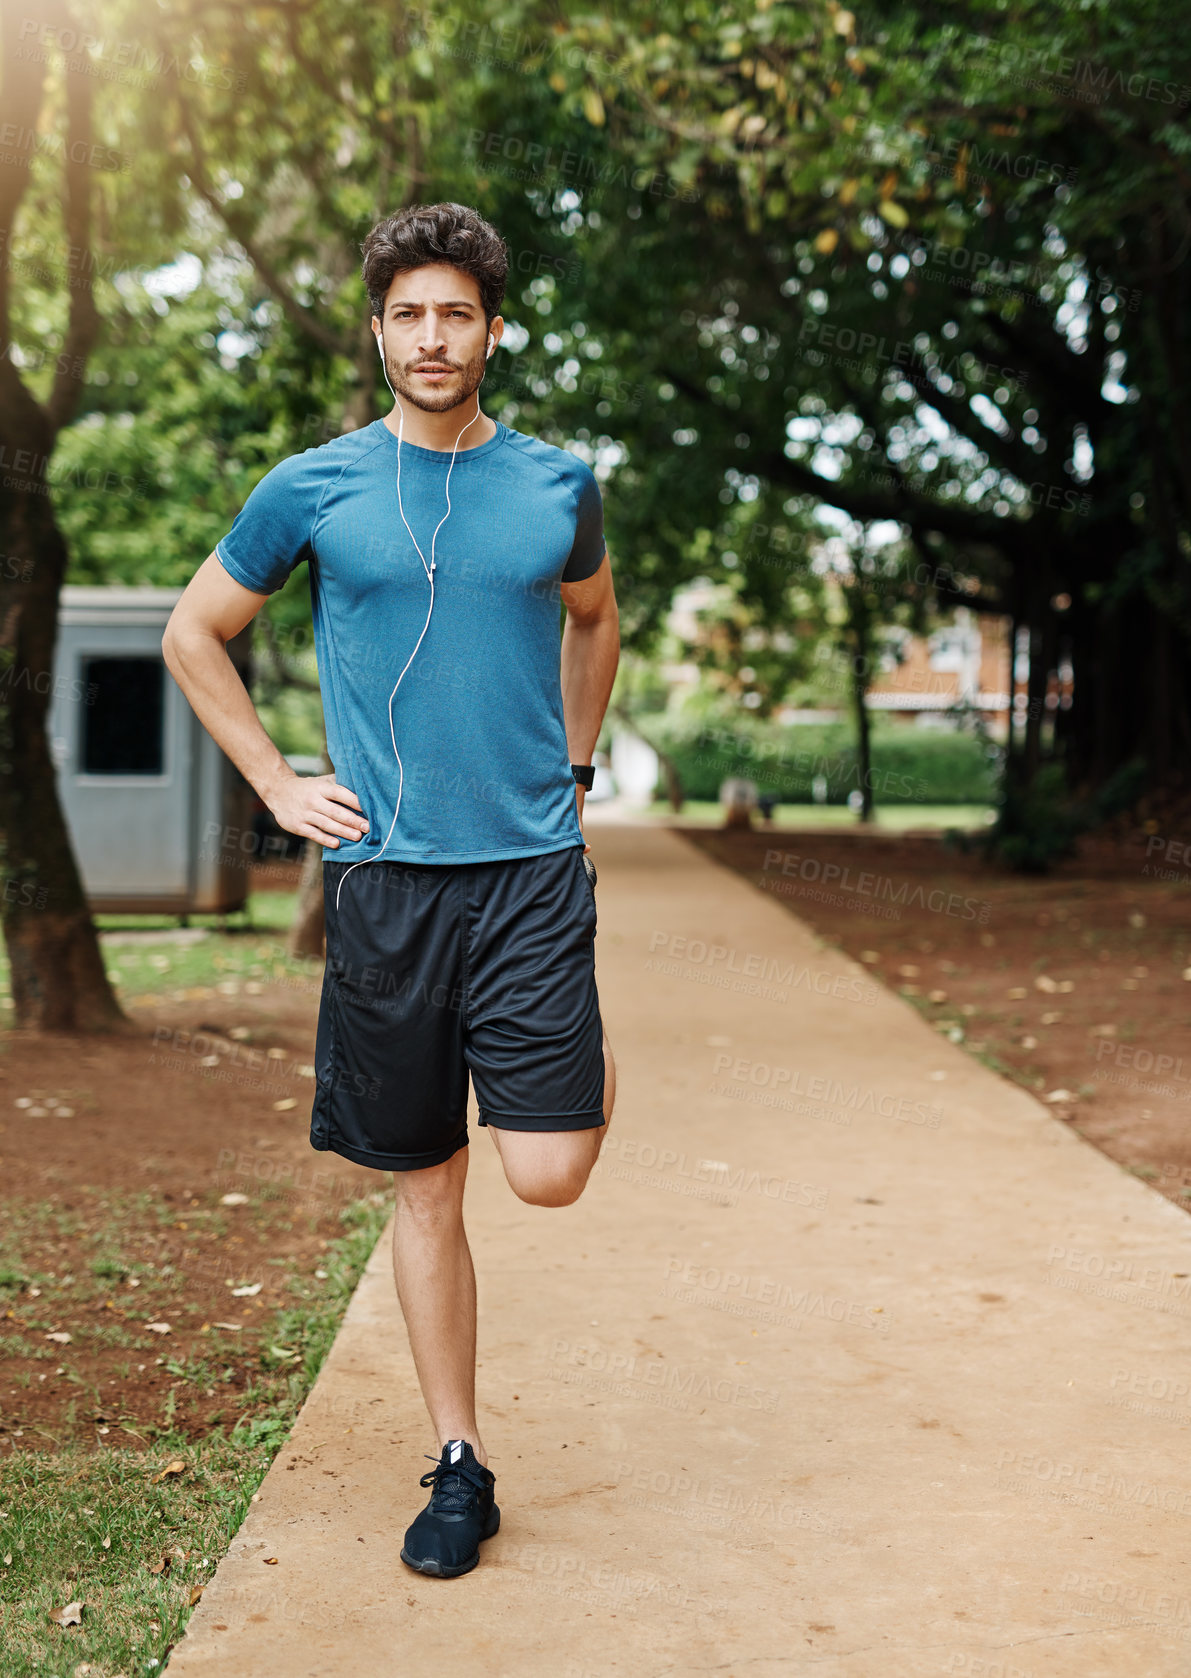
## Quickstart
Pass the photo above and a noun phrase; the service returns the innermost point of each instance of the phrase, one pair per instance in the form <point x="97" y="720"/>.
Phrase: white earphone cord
<point x="429" y="570"/>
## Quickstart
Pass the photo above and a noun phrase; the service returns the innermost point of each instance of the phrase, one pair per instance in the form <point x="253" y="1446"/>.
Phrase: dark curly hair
<point x="426" y="233"/>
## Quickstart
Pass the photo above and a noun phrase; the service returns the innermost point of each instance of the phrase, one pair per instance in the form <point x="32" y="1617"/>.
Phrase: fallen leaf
<point x="270" y="1561"/>
<point x="177" y="1466"/>
<point x="249" y="1288"/>
<point x="195" y="1592"/>
<point x="1060" y="1095"/>
<point x="71" y="1615"/>
<point x="1017" y="992"/>
<point x="159" y="1328"/>
<point x="1046" y="983"/>
<point x="235" y="1327"/>
<point x="107" y="1543"/>
<point x="234" y="1200"/>
<point x="60" y="1336"/>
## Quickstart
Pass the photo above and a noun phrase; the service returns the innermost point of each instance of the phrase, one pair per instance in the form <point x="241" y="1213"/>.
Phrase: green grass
<point x="893" y="818"/>
<point x="251" y="952"/>
<point x="265" y="911"/>
<point x="84" y="1525"/>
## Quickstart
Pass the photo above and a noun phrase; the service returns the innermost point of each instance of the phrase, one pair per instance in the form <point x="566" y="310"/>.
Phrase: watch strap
<point x="584" y="774"/>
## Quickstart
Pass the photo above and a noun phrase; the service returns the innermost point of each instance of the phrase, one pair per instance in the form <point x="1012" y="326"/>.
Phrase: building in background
<point x="966" y="660"/>
<point x="160" y="819"/>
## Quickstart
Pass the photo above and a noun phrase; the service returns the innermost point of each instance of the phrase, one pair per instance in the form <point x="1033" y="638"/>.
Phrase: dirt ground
<point x="119" y="1154"/>
<point x="1075" y="984"/>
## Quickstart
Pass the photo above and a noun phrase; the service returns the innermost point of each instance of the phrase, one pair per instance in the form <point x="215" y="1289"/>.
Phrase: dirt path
<point x="852" y="1359"/>
<point x="1076" y="985"/>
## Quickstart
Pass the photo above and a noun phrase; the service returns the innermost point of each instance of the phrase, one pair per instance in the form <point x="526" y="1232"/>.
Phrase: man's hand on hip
<point x="317" y="807"/>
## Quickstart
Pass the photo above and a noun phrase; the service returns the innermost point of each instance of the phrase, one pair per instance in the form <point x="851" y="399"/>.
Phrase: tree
<point x="58" y="976"/>
<point x="956" y="254"/>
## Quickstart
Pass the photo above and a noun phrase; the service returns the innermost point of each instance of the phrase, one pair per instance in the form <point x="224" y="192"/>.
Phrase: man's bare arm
<point x="590" y="654"/>
<point x="214" y="608"/>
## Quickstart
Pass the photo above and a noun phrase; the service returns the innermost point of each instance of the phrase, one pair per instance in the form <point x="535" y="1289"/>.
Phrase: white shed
<point x="156" y="811"/>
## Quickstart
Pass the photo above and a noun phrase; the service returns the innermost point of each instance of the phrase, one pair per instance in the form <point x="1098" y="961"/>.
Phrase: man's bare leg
<point x="436" y="1285"/>
<point x="551" y="1168"/>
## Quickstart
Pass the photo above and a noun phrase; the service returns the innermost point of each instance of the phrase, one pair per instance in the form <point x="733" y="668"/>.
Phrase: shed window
<point x="123" y="716"/>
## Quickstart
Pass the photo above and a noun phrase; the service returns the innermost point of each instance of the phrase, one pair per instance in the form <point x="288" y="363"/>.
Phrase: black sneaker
<point x="444" y="1539"/>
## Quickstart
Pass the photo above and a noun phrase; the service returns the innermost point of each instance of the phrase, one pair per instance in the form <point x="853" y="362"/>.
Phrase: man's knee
<point x="559" y="1187"/>
<point x="434" y="1193"/>
<point x="554" y="1178"/>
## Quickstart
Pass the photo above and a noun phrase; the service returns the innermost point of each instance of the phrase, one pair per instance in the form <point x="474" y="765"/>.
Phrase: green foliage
<point x="909" y="765"/>
<point x="744" y="243"/>
<point x="945" y="268"/>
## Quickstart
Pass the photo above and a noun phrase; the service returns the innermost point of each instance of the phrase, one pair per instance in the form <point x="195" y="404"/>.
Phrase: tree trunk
<point x="858" y="643"/>
<point x="57" y="972"/>
<point x="863" y="746"/>
<point x="308" y="933"/>
<point x="675" y="793"/>
<point x="58" y="977"/>
<point x="1036" y="682"/>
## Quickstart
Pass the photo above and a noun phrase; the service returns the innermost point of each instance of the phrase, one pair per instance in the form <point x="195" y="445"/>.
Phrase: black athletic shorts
<point x="437" y="970"/>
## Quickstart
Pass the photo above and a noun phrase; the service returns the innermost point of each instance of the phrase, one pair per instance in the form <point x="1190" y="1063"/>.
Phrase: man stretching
<point x="460" y="900"/>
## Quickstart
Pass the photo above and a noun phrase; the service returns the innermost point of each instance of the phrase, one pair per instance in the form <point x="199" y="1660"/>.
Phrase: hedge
<point x="909" y="765"/>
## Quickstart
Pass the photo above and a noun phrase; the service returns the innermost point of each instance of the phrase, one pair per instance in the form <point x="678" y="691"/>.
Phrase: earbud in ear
<point x="380" y="344"/>
<point x="491" y="343"/>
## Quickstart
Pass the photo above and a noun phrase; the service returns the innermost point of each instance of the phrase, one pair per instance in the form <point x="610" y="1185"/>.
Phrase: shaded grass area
<point x="181" y="960"/>
<point x="131" y="1532"/>
<point x="151" y="955"/>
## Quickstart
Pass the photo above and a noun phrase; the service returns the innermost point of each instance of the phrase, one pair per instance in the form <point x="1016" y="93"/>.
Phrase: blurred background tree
<point x="782" y="273"/>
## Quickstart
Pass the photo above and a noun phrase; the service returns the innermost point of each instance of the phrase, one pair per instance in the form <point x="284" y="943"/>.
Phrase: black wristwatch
<point x="584" y="773"/>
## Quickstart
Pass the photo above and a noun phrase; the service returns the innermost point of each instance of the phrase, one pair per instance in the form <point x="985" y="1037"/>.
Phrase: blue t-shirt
<point x="477" y="717"/>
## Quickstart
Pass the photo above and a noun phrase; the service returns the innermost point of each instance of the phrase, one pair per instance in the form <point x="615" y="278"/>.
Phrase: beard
<point x="438" y="398"/>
